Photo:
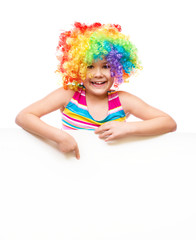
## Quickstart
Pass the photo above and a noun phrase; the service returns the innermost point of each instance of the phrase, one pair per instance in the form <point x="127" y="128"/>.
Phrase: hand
<point x="68" y="144"/>
<point x="112" y="130"/>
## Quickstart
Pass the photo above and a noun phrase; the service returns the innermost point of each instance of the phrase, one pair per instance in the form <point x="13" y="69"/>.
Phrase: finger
<point x="77" y="153"/>
<point x="98" y="130"/>
<point x="105" y="134"/>
<point x="102" y="128"/>
<point x="109" y="138"/>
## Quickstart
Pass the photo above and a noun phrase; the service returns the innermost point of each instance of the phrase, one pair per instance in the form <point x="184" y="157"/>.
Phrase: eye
<point x="90" y="66"/>
<point x="106" y="66"/>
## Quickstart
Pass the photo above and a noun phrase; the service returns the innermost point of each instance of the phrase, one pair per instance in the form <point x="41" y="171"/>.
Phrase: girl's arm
<point x="154" y="122"/>
<point x="29" y="119"/>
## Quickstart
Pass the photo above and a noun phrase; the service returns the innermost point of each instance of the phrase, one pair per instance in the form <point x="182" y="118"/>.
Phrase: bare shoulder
<point x="61" y="96"/>
<point x="127" y="100"/>
<point x="52" y="102"/>
<point x="124" y="95"/>
<point x="136" y="106"/>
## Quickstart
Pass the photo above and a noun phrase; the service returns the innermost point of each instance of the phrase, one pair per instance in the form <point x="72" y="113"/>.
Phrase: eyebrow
<point x="105" y="62"/>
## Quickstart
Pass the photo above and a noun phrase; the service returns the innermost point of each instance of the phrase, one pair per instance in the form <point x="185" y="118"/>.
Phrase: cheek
<point x="86" y="82"/>
<point x="112" y="81"/>
<point x="109" y="74"/>
<point x="89" y="75"/>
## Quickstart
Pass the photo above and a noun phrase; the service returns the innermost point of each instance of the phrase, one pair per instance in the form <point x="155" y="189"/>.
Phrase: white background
<point x="141" y="188"/>
<point x="163" y="32"/>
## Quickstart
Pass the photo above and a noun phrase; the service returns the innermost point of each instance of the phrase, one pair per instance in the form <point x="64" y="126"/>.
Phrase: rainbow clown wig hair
<point x="78" y="48"/>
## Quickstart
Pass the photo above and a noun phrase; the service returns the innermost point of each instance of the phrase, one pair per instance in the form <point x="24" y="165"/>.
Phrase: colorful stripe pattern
<point x="76" y="115"/>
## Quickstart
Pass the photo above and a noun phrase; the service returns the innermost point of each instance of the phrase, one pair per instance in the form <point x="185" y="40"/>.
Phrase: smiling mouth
<point x="98" y="83"/>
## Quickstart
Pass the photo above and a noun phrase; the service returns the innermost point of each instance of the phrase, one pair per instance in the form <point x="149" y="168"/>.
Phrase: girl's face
<point x="98" y="79"/>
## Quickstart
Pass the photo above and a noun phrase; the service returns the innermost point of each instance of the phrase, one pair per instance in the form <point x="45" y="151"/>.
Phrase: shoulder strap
<point x="113" y="100"/>
<point x="79" y="97"/>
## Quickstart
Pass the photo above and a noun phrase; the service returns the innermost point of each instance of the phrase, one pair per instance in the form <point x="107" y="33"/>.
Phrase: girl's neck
<point x="95" y="98"/>
<point x="97" y="106"/>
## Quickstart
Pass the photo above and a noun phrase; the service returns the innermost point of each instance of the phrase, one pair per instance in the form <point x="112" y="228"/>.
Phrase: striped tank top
<point x="76" y="115"/>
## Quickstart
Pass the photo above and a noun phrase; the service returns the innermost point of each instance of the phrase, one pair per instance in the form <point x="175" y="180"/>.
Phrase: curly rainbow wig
<point x="78" y="48"/>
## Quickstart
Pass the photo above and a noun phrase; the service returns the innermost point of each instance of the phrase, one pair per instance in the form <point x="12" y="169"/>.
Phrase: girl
<point x="93" y="59"/>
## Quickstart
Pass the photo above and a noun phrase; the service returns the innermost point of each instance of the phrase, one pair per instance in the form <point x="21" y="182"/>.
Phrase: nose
<point x="98" y="72"/>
